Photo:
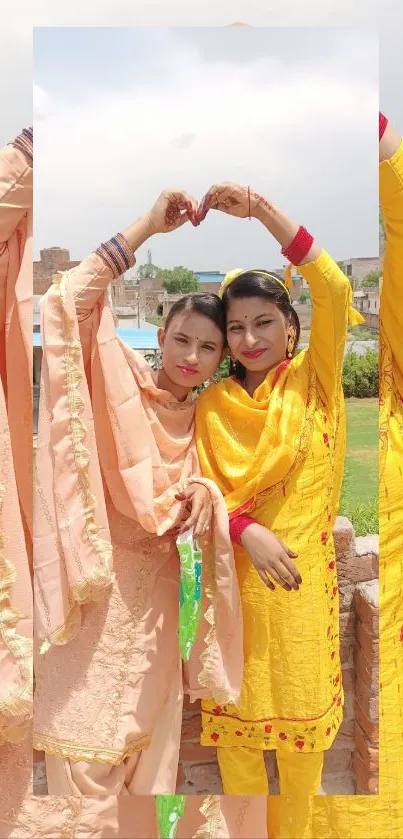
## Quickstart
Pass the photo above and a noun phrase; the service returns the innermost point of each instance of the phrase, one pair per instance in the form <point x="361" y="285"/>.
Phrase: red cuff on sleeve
<point x="382" y="125"/>
<point x="299" y="247"/>
<point x="237" y="525"/>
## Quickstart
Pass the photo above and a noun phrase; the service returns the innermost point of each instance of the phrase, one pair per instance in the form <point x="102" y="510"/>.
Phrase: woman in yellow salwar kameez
<point x="381" y="817"/>
<point x="273" y="437"/>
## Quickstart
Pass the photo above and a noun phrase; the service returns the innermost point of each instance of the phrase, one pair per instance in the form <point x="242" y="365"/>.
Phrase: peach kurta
<point x="15" y="465"/>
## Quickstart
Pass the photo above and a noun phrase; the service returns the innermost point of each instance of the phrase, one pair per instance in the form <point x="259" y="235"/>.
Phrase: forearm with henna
<point x="279" y="225"/>
<point x="138" y="232"/>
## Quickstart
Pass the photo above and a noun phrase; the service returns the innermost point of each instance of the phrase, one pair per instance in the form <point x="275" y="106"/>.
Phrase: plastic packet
<point x="170" y="809"/>
<point x="190" y="556"/>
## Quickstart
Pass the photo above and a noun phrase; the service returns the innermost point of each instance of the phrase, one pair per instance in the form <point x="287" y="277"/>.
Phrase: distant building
<point x="209" y="281"/>
<point x="140" y="298"/>
<point x="359" y="267"/>
<point x="52" y="260"/>
<point x="367" y="302"/>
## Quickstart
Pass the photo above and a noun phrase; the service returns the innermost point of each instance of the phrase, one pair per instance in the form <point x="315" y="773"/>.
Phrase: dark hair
<point x="258" y="284"/>
<point x="203" y="303"/>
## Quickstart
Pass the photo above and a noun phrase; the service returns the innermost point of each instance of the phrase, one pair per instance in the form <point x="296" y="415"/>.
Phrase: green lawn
<point x="359" y="499"/>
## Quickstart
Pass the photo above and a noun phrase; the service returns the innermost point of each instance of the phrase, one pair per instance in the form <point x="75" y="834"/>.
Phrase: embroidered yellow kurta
<point x="382" y="816"/>
<point x="279" y="455"/>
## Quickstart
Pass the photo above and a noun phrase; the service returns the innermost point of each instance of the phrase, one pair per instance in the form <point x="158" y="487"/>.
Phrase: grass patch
<point x="155" y="321"/>
<point x="359" y="496"/>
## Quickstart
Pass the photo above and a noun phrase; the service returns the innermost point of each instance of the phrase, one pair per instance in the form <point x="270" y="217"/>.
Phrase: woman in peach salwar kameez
<point x="15" y="469"/>
<point x="115" y="460"/>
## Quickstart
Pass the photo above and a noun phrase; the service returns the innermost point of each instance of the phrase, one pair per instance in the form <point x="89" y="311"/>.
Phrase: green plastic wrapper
<point x="190" y="557"/>
<point x="170" y="809"/>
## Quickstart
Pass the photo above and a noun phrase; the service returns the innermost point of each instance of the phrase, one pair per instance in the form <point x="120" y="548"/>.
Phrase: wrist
<point x="238" y="526"/>
<point x="146" y="223"/>
<point x="262" y="210"/>
<point x="138" y="232"/>
<point x="279" y="225"/>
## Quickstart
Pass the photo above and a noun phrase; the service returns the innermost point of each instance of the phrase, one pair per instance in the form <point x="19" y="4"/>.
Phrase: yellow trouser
<point x="243" y="772"/>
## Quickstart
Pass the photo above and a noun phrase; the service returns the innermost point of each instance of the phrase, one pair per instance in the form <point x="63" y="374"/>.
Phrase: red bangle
<point x="299" y="247"/>
<point x="382" y="125"/>
<point x="237" y="525"/>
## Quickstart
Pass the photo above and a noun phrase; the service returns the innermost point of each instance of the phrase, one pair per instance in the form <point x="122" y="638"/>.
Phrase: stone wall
<point x="351" y="764"/>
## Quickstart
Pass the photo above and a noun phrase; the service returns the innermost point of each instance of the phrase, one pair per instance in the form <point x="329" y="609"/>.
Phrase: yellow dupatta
<point x="259" y="441"/>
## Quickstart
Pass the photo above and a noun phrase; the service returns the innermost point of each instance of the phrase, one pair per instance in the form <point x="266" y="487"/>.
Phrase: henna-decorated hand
<point x="171" y="210"/>
<point x="235" y="200"/>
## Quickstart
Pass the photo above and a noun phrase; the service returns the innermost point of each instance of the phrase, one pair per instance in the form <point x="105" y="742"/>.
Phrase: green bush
<point x="361" y="375"/>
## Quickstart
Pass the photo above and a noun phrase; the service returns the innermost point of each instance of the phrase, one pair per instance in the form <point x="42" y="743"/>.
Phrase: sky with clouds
<point x="123" y="113"/>
<point x="303" y="76"/>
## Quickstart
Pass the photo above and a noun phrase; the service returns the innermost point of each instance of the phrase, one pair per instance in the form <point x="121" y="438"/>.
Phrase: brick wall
<point x="351" y="764"/>
<point x="51" y="261"/>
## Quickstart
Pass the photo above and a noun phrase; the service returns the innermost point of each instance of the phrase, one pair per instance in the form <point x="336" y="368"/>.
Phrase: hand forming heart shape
<point x="174" y="208"/>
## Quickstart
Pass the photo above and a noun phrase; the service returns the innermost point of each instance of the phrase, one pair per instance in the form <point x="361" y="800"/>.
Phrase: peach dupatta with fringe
<point x="205" y="817"/>
<point x="16" y="449"/>
<point x="113" y="451"/>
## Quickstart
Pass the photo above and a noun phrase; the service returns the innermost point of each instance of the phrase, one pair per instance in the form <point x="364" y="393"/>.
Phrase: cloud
<point x="16" y="77"/>
<point x="274" y="122"/>
<point x="184" y="141"/>
<point x="41" y="103"/>
<point x="206" y="13"/>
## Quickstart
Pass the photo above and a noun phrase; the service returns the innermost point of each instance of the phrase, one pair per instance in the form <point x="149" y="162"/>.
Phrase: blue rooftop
<point x="206" y="277"/>
<point x="137" y="339"/>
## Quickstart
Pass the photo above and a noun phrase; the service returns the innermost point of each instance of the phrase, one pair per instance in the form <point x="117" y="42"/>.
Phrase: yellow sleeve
<point x="331" y="297"/>
<point x="391" y="196"/>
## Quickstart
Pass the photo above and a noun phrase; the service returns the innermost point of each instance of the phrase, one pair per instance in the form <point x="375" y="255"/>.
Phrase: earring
<point x="291" y="343"/>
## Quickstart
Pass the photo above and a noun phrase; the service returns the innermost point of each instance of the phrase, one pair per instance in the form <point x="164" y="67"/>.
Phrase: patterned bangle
<point x="299" y="247"/>
<point x="24" y="142"/>
<point x="117" y="254"/>
<point x="237" y="525"/>
<point x="382" y="125"/>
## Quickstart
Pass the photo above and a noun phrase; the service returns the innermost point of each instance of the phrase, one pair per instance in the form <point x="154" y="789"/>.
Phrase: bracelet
<point x="299" y="247"/>
<point x="237" y="525"/>
<point x="382" y="125"/>
<point x="117" y="254"/>
<point x="24" y="143"/>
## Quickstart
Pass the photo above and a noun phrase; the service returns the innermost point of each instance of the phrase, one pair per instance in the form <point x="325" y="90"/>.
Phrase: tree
<point x="371" y="280"/>
<point x="304" y="297"/>
<point x="148" y="270"/>
<point x="178" y="280"/>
